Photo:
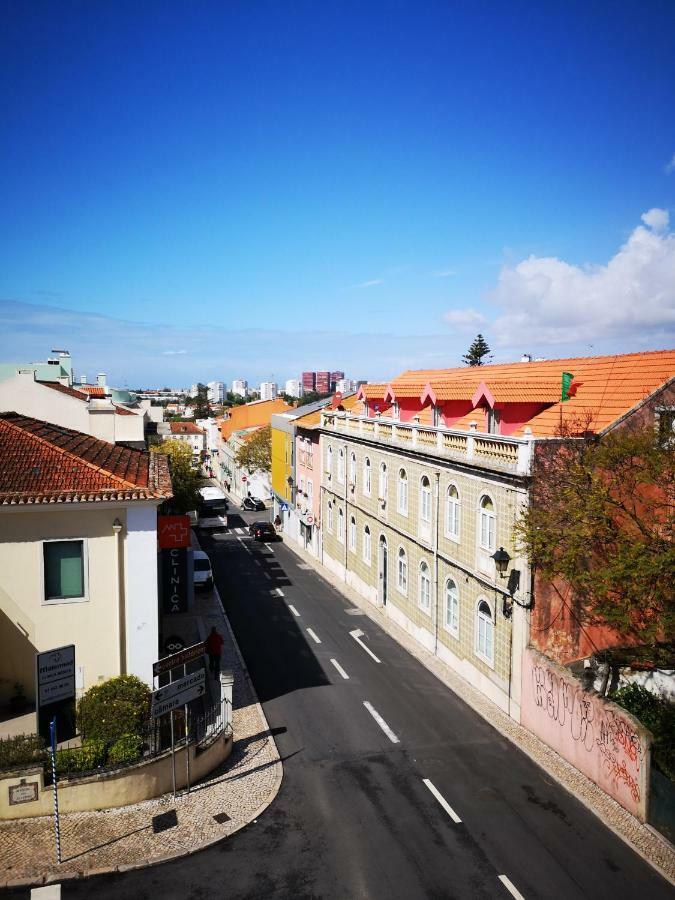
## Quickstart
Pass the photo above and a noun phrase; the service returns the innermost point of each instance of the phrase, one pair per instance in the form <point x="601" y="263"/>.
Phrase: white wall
<point x="22" y="394"/>
<point x="140" y="585"/>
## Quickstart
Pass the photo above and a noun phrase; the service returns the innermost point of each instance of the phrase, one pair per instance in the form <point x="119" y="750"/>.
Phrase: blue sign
<point x="284" y="507"/>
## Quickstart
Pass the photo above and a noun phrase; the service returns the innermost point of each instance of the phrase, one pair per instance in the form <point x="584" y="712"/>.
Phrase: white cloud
<point x="549" y="301"/>
<point x="670" y="166"/>
<point x="447" y="273"/>
<point x="173" y="352"/>
<point x="465" y="318"/>
<point x="367" y="284"/>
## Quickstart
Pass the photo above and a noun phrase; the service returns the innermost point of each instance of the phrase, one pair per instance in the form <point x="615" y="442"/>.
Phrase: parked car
<point x="202" y="574"/>
<point x="252" y="527"/>
<point x="252" y="503"/>
<point x="264" y="531"/>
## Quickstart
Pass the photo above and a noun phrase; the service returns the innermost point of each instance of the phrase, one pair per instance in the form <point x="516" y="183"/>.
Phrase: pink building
<point x="308" y="480"/>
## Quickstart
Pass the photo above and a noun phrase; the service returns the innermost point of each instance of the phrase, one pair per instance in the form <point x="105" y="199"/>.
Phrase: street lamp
<point x="502" y="560"/>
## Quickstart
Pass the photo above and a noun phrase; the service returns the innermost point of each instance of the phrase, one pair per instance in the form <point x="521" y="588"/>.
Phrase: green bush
<point x="21" y="750"/>
<point x="658" y="715"/>
<point x="116" y="707"/>
<point x="126" y="750"/>
<point x="90" y="755"/>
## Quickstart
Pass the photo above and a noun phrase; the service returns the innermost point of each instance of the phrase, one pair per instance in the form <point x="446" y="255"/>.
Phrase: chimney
<point x="526" y="357"/>
<point x="83" y="379"/>
<point x="100" y="379"/>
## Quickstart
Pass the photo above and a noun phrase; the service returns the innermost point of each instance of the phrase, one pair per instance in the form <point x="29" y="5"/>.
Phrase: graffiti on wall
<point x="589" y="731"/>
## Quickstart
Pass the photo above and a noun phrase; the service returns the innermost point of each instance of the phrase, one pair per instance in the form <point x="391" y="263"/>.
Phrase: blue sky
<point x="255" y="188"/>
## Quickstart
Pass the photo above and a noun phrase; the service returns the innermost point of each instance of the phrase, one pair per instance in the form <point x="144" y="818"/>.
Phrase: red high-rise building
<point x="308" y="381"/>
<point x="334" y="378"/>
<point x="323" y="382"/>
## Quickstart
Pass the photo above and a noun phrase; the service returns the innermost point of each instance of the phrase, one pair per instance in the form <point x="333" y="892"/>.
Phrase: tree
<point x="255" y="454"/>
<point x="312" y="397"/>
<point x="200" y="402"/>
<point x="602" y="519"/>
<point x="476" y="352"/>
<point x="184" y="474"/>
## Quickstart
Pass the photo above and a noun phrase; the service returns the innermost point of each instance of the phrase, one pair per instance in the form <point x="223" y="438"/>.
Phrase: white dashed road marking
<point x="293" y="610"/>
<point x="340" y="669"/>
<point x="510" y="887"/>
<point x="444" y="803"/>
<point x="317" y="640"/>
<point x="280" y="593"/>
<point x="357" y="634"/>
<point x="380" y="721"/>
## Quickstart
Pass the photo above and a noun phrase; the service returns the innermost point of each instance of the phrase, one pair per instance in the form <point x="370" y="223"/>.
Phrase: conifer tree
<point x="477" y="352"/>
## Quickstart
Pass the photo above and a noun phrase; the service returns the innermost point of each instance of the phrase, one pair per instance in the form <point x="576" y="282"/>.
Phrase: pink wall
<point x="598" y="737"/>
<point x="409" y="407"/>
<point x="308" y="468"/>
<point x="515" y="415"/>
<point x="453" y="410"/>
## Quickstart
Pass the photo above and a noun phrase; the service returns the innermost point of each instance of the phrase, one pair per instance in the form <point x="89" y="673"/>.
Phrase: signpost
<point x="173" y="531"/>
<point x="57" y="824"/>
<point x="175" y="579"/>
<point x="177" y="693"/>
<point x="55" y="691"/>
<point x="178" y="659"/>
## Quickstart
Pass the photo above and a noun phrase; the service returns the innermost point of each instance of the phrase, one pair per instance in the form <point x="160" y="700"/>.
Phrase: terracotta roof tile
<point x="64" y="389"/>
<point x="123" y="411"/>
<point x="185" y="428"/>
<point x="94" y="390"/>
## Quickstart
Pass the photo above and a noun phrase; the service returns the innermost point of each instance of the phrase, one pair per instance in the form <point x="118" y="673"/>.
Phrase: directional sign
<point x="56" y="674"/>
<point x="179" y="658"/>
<point x="178" y="693"/>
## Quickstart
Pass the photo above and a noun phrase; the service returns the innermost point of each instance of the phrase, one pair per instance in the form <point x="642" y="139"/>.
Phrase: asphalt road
<point x="393" y="787"/>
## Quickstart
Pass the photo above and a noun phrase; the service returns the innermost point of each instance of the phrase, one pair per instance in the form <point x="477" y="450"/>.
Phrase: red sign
<point x="244" y="479"/>
<point x="173" y="531"/>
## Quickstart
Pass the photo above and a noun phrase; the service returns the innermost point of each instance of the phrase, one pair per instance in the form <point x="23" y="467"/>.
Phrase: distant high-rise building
<point x="308" y="381"/>
<point x="293" y="387"/>
<point x="345" y="386"/>
<point x="193" y="390"/>
<point x="322" y="382"/>
<point x="268" y="390"/>
<point x="334" y="378"/>
<point x="240" y="387"/>
<point x="216" y="391"/>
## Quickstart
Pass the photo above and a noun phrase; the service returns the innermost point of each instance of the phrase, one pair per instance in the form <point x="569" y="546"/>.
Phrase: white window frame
<point x="424" y="576"/>
<point x="486" y="523"/>
<point x="453" y="506"/>
<point x="425" y="507"/>
<point x="484" y="626"/>
<point x="341" y="525"/>
<point x="329" y="516"/>
<point x="85" y="572"/>
<point x="352" y="534"/>
<point x="329" y="461"/>
<point x="451" y="613"/>
<point x="367" y="545"/>
<point x="402" y="571"/>
<point x="402" y="492"/>
<point x="341" y="466"/>
<point x="352" y="468"/>
<point x="382" y="482"/>
<point x="367" y="477"/>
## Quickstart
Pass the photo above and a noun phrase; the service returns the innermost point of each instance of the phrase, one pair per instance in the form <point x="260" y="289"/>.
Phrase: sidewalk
<point x="134" y="836"/>
<point x="643" y="839"/>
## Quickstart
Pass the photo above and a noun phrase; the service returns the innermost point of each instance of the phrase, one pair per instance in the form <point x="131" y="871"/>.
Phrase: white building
<point x="216" y="392"/>
<point x="268" y="390"/>
<point x="293" y="387"/>
<point x="194" y="390"/>
<point x="240" y="387"/>
<point x="189" y="433"/>
<point x="345" y="386"/>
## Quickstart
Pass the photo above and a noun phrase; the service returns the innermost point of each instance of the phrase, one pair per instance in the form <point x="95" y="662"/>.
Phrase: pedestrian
<point x="214" y="644"/>
<point x="277" y="521"/>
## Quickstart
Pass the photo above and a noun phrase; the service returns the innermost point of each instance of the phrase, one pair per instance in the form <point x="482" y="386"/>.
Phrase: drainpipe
<point x="121" y="610"/>
<point x="438" y="500"/>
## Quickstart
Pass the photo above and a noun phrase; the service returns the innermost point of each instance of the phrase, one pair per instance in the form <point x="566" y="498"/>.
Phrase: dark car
<point x="254" y="525"/>
<point x="252" y="503"/>
<point x="264" y="531"/>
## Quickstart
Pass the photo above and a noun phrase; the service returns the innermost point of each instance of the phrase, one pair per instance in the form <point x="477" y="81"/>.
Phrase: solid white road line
<point x="380" y="721"/>
<point x="268" y="546"/>
<point x="444" y="803"/>
<point x="293" y="610"/>
<point x="340" y="669"/>
<point x="317" y="640"/>
<point x="280" y="593"/>
<point x="357" y="634"/>
<point x="508" y="884"/>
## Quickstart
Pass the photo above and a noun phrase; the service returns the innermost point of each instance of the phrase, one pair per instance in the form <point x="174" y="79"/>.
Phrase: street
<point x="393" y="787"/>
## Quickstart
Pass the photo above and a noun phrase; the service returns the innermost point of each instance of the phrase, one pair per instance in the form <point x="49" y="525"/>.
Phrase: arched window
<point x="402" y="493"/>
<point x="366" y="545"/>
<point x="485" y="632"/>
<point x="452" y="607"/>
<point x="352" y="534"/>
<point x="352" y="468"/>
<point x="329" y="516"/>
<point x="452" y="513"/>
<point x="329" y="459"/>
<point x="425" y="507"/>
<point x="366" y="477"/>
<point x="487" y="525"/>
<point x="341" y="526"/>
<point x="383" y="482"/>
<point x="402" y="571"/>
<point x="425" y="587"/>
<point x="341" y="466"/>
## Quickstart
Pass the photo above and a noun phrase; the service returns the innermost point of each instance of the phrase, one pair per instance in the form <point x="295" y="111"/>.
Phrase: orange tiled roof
<point x="373" y="391"/>
<point x="123" y="411"/>
<point x="94" y="390"/>
<point x="185" y="428"/>
<point x="64" y="389"/>
<point x="43" y="463"/>
<point x="312" y="419"/>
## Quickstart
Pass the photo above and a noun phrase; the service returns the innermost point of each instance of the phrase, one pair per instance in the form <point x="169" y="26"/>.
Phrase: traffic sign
<point x="309" y="520"/>
<point x="179" y="658"/>
<point x="178" y="693"/>
<point x="283" y="507"/>
<point x="244" y="478"/>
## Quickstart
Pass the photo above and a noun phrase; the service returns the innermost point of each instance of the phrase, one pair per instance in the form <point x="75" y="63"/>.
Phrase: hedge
<point x="91" y="755"/>
<point x="22" y="750"/>
<point x="658" y="715"/>
<point x="126" y="750"/>
<point x="117" y="707"/>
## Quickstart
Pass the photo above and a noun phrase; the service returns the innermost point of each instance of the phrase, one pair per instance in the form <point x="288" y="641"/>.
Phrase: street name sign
<point x="178" y="693"/>
<point x="179" y="658"/>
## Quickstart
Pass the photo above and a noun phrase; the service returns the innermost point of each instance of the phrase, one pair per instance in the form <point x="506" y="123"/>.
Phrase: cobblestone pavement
<point x="641" y="838"/>
<point x="113" y="839"/>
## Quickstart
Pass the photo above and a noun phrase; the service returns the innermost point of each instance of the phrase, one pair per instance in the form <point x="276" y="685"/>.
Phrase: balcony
<point x="489" y="451"/>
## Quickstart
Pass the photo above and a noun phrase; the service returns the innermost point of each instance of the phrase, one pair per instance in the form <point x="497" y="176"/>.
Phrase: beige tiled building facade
<point x="410" y="517"/>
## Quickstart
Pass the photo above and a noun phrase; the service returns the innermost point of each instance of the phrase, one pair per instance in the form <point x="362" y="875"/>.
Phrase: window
<point x="310" y="494"/>
<point x="425" y="507"/>
<point x="302" y="484"/>
<point x="487" y="524"/>
<point x="352" y="534"/>
<point x="383" y="482"/>
<point x="402" y="493"/>
<point x="452" y="607"/>
<point x="329" y="516"/>
<point x="352" y="468"/>
<point x="402" y="572"/>
<point x="366" y="545"/>
<point x="366" y="477"/>
<point x="665" y="423"/>
<point x="436" y="413"/>
<point x="341" y="526"/>
<point x="329" y="459"/>
<point x="64" y="570"/>
<point x="485" y="632"/>
<point x="425" y="587"/>
<point x="341" y="466"/>
<point x="493" y="419"/>
<point x="452" y="513"/>
<point x="310" y="455"/>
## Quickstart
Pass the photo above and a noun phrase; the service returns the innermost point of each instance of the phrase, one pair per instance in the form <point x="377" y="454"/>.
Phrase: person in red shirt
<point x="214" y="644"/>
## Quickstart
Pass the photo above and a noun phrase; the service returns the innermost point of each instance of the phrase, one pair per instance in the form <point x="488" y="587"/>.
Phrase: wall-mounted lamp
<point x="117" y="526"/>
<point x="502" y="560"/>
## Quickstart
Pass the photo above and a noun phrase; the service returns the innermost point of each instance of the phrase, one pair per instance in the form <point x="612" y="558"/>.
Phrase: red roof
<point x="64" y="389"/>
<point x="94" y="390"/>
<point x="44" y="463"/>
<point x="185" y="428"/>
<point x="123" y="411"/>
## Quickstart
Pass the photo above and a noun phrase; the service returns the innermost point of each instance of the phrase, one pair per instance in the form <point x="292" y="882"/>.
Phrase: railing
<point x="490" y="450"/>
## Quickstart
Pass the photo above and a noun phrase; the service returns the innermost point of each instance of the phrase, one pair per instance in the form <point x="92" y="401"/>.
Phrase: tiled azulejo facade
<point x="410" y="518"/>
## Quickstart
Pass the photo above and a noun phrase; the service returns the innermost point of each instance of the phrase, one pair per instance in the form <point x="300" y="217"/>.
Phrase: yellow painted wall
<point x="281" y="463"/>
